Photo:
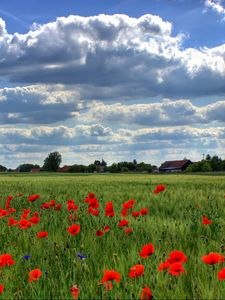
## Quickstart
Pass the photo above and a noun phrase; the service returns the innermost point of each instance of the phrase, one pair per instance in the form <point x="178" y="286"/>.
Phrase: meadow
<point x="171" y="219"/>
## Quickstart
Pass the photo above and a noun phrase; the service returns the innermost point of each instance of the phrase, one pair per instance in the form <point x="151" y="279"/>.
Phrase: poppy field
<point x="112" y="237"/>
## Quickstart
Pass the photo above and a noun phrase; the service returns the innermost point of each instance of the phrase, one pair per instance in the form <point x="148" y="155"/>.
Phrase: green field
<point x="174" y="222"/>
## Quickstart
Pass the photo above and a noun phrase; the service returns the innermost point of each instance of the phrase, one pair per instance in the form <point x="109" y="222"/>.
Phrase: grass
<point x="173" y="223"/>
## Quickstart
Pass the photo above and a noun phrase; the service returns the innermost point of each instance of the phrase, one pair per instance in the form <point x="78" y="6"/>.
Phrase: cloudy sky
<point x="112" y="79"/>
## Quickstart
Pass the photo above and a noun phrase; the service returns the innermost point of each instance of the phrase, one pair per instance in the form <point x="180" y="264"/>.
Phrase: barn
<point x="175" y="166"/>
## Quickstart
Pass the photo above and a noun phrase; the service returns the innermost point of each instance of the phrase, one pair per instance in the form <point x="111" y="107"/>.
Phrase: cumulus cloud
<point x="138" y="56"/>
<point x="215" y="5"/>
<point x="167" y="112"/>
<point x="38" y="104"/>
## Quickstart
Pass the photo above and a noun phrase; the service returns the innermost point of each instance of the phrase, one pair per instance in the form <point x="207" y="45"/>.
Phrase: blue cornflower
<point x="26" y="257"/>
<point x="81" y="256"/>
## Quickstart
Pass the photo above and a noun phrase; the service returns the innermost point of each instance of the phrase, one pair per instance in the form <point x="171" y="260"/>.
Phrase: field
<point x="173" y="222"/>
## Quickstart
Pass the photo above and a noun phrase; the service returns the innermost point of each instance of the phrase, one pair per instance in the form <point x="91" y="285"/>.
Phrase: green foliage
<point x="174" y="222"/>
<point x="26" y="167"/>
<point x="2" y="168"/>
<point x="52" y="162"/>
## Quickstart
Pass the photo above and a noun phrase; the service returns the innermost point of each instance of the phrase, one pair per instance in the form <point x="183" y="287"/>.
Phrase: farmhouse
<point x="35" y="170"/>
<point x="63" y="169"/>
<point x="175" y="166"/>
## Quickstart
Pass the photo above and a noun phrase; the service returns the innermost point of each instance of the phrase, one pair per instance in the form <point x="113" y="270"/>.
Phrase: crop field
<point x="112" y="237"/>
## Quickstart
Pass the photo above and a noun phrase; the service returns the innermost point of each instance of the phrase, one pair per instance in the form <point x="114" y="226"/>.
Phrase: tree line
<point x="209" y="164"/>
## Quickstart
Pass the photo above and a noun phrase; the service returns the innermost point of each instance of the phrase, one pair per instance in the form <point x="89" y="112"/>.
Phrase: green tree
<point x="2" y="168"/>
<point x="52" y="162"/>
<point x="26" y="167"/>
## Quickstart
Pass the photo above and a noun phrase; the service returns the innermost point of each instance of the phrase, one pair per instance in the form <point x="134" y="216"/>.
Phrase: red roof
<point x="175" y="164"/>
<point x="64" y="169"/>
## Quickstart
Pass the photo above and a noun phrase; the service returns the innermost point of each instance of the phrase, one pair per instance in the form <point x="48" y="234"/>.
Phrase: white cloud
<point x="215" y="5"/>
<point x="132" y="57"/>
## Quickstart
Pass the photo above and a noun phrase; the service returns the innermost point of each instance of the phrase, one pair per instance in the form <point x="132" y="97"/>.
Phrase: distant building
<point x="35" y="170"/>
<point x="175" y="166"/>
<point x="63" y="169"/>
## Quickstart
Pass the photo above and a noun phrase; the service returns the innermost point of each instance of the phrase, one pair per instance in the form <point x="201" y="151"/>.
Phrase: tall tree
<point x="52" y="162"/>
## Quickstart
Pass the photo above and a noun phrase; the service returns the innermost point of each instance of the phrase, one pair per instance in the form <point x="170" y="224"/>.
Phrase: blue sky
<point x="119" y="80"/>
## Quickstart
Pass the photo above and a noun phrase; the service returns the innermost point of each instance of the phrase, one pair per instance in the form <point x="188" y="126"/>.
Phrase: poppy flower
<point x="128" y="230"/>
<point x="6" y="260"/>
<point x="23" y="224"/>
<point x="34" y="220"/>
<point x="176" y="269"/>
<point x="45" y="205"/>
<point x="135" y="214"/>
<point x="213" y="258"/>
<point x="99" y="233"/>
<point x="74" y="229"/>
<point x="52" y="203"/>
<point x="163" y="266"/>
<point x="108" y="285"/>
<point x="143" y="211"/>
<point x="1" y="288"/>
<point x="32" y="198"/>
<point x="123" y="223"/>
<point x="91" y="195"/>
<point x="58" y="206"/>
<point x="160" y="188"/>
<point x="110" y="275"/>
<point x="12" y="222"/>
<point x="34" y="275"/>
<point x="42" y="234"/>
<point x="74" y="290"/>
<point x="109" y="211"/>
<point x="221" y="274"/>
<point x="206" y="221"/>
<point x="129" y="204"/>
<point x="147" y="250"/>
<point x="136" y="271"/>
<point x="107" y="228"/>
<point x="146" y="294"/>
<point x="93" y="211"/>
<point x="177" y="256"/>
<point x="124" y="212"/>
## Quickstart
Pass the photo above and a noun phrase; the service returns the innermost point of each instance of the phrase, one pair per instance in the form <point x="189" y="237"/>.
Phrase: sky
<point x="116" y="80"/>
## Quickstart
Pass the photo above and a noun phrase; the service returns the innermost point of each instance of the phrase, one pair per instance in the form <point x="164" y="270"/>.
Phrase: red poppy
<point x="32" y="198"/>
<point x="91" y="195"/>
<point x="163" y="266"/>
<point x="45" y="205"/>
<point x="128" y="230"/>
<point x="99" y="233"/>
<point x="135" y="214"/>
<point x="213" y="258"/>
<point x="124" y="212"/>
<point x="110" y="275"/>
<point x="206" y="221"/>
<point x="23" y="224"/>
<point x="107" y="228"/>
<point x="160" y="188"/>
<point x="109" y="211"/>
<point x="72" y="206"/>
<point x="143" y="211"/>
<point x="12" y="222"/>
<point x="147" y="250"/>
<point x="34" y="220"/>
<point x="177" y="256"/>
<point x="146" y="294"/>
<point x="3" y="212"/>
<point x="129" y="204"/>
<point x="123" y="223"/>
<point x="52" y="203"/>
<point x="93" y="211"/>
<point x="42" y="234"/>
<point x="6" y="260"/>
<point x="34" y="275"/>
<point x="1" y="288"/>
<point x="108" y="285"/>
<point x="58" y="206"/>
<point x="136" y="271"/>
<point x="74" y="290"/>
<point x="74" y="229"/>
<point x="176" y="269"/>
<point x="221" y="274"/>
